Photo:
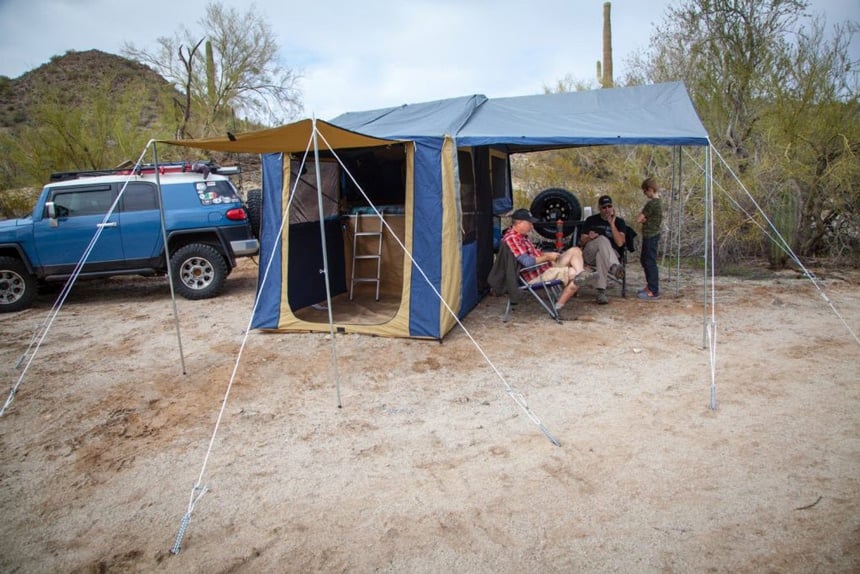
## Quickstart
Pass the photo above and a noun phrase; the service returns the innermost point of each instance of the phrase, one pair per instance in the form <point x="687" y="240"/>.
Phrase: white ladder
<point x="366" y="245"/>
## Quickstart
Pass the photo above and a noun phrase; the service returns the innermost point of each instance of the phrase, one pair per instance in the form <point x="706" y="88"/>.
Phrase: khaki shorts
<point x="552" y="273"/>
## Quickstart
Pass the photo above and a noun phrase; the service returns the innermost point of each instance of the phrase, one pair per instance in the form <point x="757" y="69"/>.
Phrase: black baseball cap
<point x="523" y="215"/>
<point x="604" y="200"/>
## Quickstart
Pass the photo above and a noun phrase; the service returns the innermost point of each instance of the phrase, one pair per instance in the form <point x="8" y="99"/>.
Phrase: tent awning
<point x="658" y="114"/>
<point x="289" y="138"/>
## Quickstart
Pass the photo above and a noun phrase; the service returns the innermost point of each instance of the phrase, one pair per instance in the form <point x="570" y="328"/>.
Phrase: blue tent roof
<point x="428" y="119"/>
<point x="659" y="114"/>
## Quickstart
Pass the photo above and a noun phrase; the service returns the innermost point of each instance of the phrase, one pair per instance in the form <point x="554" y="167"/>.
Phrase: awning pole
<point x="324" y="270"/>
<point x="680" y="191"/>
<point x="167" y="256"/>
<point x="707" y="255"/>
<point x="710" y="330"/>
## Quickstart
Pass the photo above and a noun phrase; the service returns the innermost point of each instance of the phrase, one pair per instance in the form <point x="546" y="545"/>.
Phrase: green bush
<point x="17" y="202"/>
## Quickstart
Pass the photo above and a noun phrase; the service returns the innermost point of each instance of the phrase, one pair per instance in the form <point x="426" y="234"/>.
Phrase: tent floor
<point x="362" y="310"/>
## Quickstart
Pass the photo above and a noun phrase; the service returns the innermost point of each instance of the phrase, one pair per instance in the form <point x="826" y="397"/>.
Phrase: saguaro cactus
<point x="604" y="72"/>
<point x="210" y="72"/>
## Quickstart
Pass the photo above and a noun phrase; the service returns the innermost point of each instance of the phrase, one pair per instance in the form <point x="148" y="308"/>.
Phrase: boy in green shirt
<point x="651" y="219"/>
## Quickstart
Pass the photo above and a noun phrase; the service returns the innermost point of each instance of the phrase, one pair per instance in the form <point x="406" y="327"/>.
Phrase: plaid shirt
<point x="520" y="245"/>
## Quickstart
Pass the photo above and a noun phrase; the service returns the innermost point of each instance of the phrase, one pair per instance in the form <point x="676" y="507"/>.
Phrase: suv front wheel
<point x="199" y="271"/>
<point x="17" y="286"/>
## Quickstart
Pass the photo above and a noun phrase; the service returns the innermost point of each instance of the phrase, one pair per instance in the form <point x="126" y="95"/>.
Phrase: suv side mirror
<point x="51" y="211"/>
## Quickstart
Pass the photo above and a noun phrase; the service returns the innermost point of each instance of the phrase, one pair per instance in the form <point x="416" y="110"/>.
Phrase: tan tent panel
<point x="289" y="138"/>
<point x="388" y="317"/>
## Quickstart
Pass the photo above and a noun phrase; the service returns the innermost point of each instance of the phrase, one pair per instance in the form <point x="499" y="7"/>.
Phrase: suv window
<point x="90" y="201"/>
<point x="220" y="191"/>
<point x="139" y="196"/>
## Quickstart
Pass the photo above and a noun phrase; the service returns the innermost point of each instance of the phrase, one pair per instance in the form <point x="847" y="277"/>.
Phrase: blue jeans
<point x="648" y="259"/>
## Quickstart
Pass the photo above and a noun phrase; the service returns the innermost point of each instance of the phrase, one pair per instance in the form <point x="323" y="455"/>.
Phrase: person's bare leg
<point x="572" y="258"/>
<point x="569" y="291"/>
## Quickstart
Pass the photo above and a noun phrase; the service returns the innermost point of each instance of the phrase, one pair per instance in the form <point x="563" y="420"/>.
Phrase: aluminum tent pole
<point x="710" y="265"/>
<point x="680" y="221"/>
<point x="167" y="254"/>
<point x="671" y="245"/>
<point x="668" y="236"/>
<point x="325" y="261"/>
<point x="707" y="248"/>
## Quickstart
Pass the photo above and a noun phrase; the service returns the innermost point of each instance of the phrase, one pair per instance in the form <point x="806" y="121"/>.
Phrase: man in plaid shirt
<point x="567" y="266"/>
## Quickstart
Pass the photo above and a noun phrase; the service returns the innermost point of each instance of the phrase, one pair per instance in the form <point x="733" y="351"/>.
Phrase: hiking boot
<point x="602" y="299"/>
<point x="617" y="271"/>
<point x="583" y="277"/>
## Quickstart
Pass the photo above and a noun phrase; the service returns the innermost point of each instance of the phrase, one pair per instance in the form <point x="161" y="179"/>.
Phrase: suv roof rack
<point x="163" y="168"/>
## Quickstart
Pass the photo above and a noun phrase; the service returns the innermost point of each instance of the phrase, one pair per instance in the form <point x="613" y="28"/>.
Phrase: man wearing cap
<point x="602" y="235"/>
<point x="568" y="266"/>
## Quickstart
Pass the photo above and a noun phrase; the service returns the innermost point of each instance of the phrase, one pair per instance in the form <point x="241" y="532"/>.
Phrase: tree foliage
<point x="106" y="127"/>
<point x="779" y="97"/>
<point x="778" y="93"/>
<point x="237" y="73"/>
<point x="726" y="52"/>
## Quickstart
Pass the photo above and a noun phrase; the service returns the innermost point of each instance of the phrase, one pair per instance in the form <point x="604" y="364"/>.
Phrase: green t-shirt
<point x="653" y="212"/>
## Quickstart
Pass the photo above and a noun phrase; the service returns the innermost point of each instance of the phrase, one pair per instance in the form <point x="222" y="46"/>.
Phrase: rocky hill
<point x="70" y="77"/>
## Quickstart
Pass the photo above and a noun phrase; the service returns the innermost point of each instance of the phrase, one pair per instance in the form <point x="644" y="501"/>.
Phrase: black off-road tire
<point x="555" y="204"/>
<point x="254" y="205"/>
<point x="199" y="271"/>
<point x="17" y="287"/>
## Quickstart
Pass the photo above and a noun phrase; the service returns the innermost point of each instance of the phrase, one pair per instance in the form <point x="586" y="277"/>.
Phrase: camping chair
<point x="507" y="277"/>
<point x="546" y="293"/>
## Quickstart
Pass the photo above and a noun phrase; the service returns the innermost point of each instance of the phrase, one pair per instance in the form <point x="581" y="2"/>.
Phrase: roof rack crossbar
<point x="171" y="167"/>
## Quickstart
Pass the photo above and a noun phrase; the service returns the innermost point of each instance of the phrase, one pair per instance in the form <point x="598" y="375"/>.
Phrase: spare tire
<point x="552" y="205"/>
<point x="254" y="205"/>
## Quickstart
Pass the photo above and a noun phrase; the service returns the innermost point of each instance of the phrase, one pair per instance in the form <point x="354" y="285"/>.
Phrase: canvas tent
<point x="435" y="173"/>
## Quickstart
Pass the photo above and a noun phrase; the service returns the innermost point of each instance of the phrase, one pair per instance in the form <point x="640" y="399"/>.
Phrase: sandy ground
<point x="430" y="465"/>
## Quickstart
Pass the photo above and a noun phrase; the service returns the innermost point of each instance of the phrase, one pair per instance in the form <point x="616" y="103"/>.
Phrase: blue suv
<point x="205" y="220"/>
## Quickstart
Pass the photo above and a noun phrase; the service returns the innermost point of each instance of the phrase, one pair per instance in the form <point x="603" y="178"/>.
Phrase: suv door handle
<point x="108" y="224"/>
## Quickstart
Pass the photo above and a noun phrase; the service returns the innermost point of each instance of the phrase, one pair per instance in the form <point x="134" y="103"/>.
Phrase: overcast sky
<point x="358" y="55"/>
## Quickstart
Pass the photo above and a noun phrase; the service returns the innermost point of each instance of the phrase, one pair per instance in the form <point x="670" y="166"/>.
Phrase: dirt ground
<point x="429" y="465"/>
